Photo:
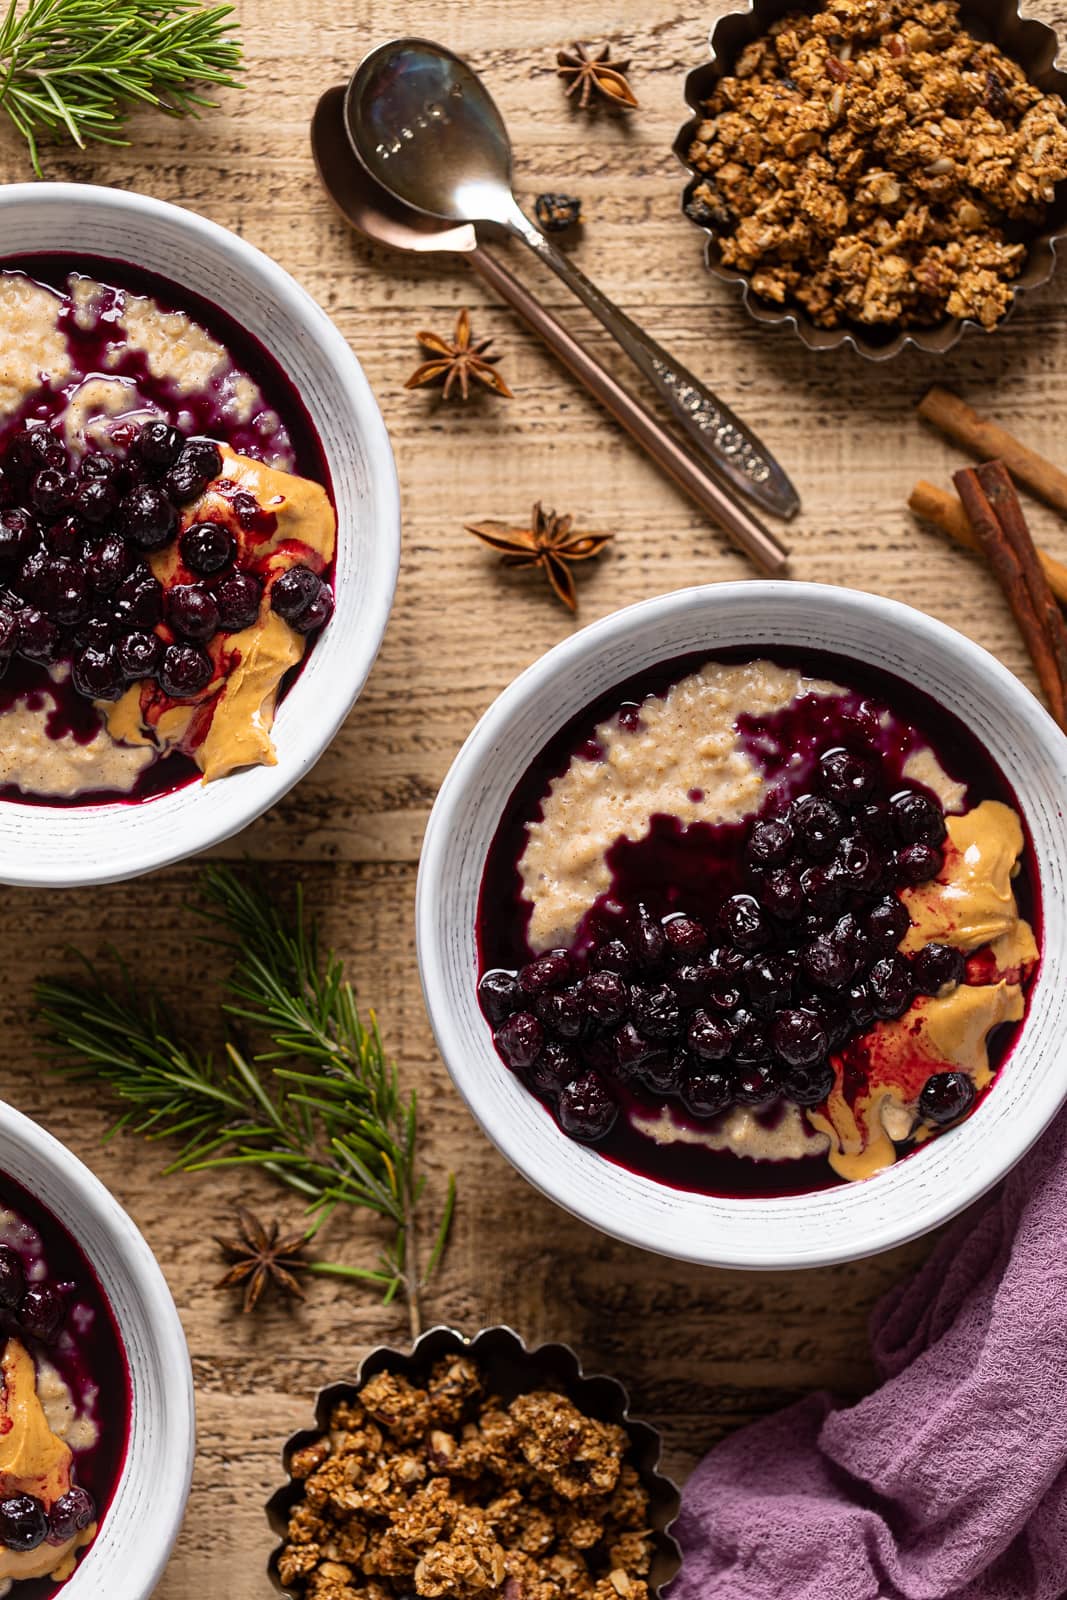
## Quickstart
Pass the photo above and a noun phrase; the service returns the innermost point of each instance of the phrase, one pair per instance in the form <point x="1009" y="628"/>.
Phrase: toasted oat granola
<point x="874" y="163"/>
<point x="445" y="1492"/>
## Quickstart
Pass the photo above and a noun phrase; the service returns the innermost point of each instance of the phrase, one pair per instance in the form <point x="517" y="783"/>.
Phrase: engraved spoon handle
<point x="730" y="448"/>
<point x="714" y="498"/>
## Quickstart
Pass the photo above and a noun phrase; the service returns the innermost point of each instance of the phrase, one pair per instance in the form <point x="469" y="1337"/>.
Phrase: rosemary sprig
<point x="320" y="1110"/>
<point x="77" y="67"/>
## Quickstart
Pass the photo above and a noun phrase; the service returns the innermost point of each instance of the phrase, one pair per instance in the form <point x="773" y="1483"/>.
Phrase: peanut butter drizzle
<point x="972" y="906"/>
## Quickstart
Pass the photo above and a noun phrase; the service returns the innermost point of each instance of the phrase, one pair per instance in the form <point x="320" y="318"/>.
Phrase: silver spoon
<point x="426" y="128"/>
<point x="366" y="206"/>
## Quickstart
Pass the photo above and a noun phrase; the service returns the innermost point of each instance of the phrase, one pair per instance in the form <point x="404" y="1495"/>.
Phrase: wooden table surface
<point x="702" y="1351"/>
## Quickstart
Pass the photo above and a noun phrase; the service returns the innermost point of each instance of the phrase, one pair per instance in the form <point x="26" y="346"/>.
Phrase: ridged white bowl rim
<point x="63" y="847"/>
<point x="805" y="1230"/>
<point x="139" y="1528"/>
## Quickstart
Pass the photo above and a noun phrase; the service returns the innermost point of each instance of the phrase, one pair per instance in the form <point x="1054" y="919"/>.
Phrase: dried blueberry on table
<point x="238" y="598"/>
<point x="937" y="967"/>
<point x="147" y="517"/>
<point x="41" y="1312"/>
<point x="946" y="1096"/>
<point x="158" y="444"/>
<point x="519" y="1039"/>
<point x="499" y="994"/>
<point x="70" y="1514"/>
<point x="706" y="1093"/>
<point x="557" y="212"/>
<point x="12" y="1278"/>
<point x="587" y="1107"/>
<point x="207" y="547"/>
<point x="185" y="670"/>
<point x="192" y="611"/>
<point x="23" y="1522"/>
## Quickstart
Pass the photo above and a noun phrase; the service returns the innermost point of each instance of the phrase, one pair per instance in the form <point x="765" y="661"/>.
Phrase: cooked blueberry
<point x="663" y="1073"/>
<point x="686" y="937"/>
<point x="751" y="1043"/>
<point x="889" y="983"/>
<point x="39" y="637"/>
<point x="96" y="467"/>
<point x="12" y="1277"/>
<point x="18" y="536"/>
<point x="887" y="923"/>
<point x="499" y="994"/>
<point x="519" y="1039"/>
<point x="587" y="1107"/>
<point x="207" y="547"/>
<point x="845" y="777"/>
<point x="555" y="1066"/>
<point x="709" y="1037"/>
<point x="632" y="1050"/>
<point x="548" y="971"/>
<point x="849" y="934"/>
<point x="646" y="939"/>
<point x="826" y="963"/>
<point x="139" y="600"/>
<point x="946" y="1096"/>
<point x="23" y="1523"/>
<point x="918" y="863"/>
<point x="293" y="591"/>
<point x="937" y="967"/>
<point x="40" y="1312"/>
<point x="818" y="824"/>
<point x="860" y="862"/>
<point x="36" y="446"/>
<point x="238" y="598"/>
<point x="139" y="654"/>
<point x="876" y="821"/>
<point x="605" y="996"/>
<point x="767" y="983"/>
<point x="158" y="444"/>
<point x="561" y="1012"/>
<point x="147" y="517"/>
<point x="95" y="500"/>
<point x="9" y="633"/>
<point x="691" y="982"/>
<point x="810" y="1085"/>
<point x="67" y="538"/>
<point x="916" y="818"/>
<point x="52" y="491"/>
<point x="743" y="922"/>
<point x="614" y="956"/>
<point x="198" y="464"/>
<point x="61" y="589"/>
<point x="184" y="671"/>
<point x="781" y="894"/>
<point x="859" y="1007"/>
<point x="770" y="842"/>
<point x="798" y="1037"/>
<point x="823" y="887"/>
<point x="318" y="612"/>
<point x="96" y="674"/>
<point x="192" y="611"/>
<point x="706" y="1093"/>
<point x="655" y="1010"/>
<point x="70" y="1514"/>
<point x="754" y="1086"/>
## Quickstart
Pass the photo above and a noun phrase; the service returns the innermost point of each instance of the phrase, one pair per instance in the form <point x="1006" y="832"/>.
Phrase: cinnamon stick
<point x="946" y="512"/>
<point x="985" y="440"/>
<point x="994" y="512"/>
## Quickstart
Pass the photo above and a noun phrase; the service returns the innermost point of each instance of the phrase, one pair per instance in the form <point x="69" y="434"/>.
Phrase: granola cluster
<point x="874" y="163"/>
<point x="445" y="1492"/>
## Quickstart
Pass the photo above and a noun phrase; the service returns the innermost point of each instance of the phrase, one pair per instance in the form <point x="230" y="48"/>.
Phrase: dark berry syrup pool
<point x="51" y="1299"/>
<point x="90" y="601"/>
<point x="734" y="965"/>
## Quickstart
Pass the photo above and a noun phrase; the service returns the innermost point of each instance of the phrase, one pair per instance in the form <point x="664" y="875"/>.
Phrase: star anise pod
<point x="261" y="1259"/>
<point x="596" y="76"/>
<point x="550" y="542"/>
<point x="459" y="361"/>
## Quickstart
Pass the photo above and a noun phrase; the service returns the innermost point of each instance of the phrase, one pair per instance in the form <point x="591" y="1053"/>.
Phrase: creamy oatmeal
<point x="758" y="915"/>
<point x="165" y="543"/>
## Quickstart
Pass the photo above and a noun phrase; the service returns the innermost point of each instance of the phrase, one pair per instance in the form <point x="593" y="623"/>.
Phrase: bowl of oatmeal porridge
<point x="97" y="1426"/>
<point x="199" y="534"/>
<point x="878" y="178"/>
<point x="737" y="923"/>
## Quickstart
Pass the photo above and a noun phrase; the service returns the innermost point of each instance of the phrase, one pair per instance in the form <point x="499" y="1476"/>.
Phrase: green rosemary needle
<point x="319" y="1110"/>
<point x="75" y="68"/>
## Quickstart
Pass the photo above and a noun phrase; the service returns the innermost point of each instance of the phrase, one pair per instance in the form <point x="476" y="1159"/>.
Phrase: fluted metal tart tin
<point x="511" y="1368"/>
<point x="1032" y="44"/>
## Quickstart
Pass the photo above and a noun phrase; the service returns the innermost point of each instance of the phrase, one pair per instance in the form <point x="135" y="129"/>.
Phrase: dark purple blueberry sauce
<point x="727" y="939"/>
<point x="87" y="1352"/>
<point x="99" y="350"/>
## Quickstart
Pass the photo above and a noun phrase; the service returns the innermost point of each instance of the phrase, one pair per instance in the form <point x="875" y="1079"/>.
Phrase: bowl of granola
<point x="878" y="176"/>
<point x="469" y="1467"/>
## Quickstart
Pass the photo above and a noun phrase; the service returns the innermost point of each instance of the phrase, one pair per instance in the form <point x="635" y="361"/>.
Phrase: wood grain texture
<point x="702" y="1351"/>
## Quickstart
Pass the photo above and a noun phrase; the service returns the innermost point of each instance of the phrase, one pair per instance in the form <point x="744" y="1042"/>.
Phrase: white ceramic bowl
<point x="139" y="1528"/>
<point x="804" y="1230"/>
<point x="62" y="847"/>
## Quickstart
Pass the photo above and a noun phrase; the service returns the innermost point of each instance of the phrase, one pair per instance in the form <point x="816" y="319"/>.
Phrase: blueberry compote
<point x="52" y="1305"/>
<point x="784" y="964"/>
<point x="109" y="433"/>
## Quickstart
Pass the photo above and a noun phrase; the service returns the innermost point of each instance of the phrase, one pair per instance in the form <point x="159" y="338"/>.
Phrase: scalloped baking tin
<point x="512" y="1369"/>
<point x="1032" y="44"/>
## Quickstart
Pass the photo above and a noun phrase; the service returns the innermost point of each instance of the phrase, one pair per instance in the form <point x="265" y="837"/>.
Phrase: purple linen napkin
<point x="949" y="1482"/>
